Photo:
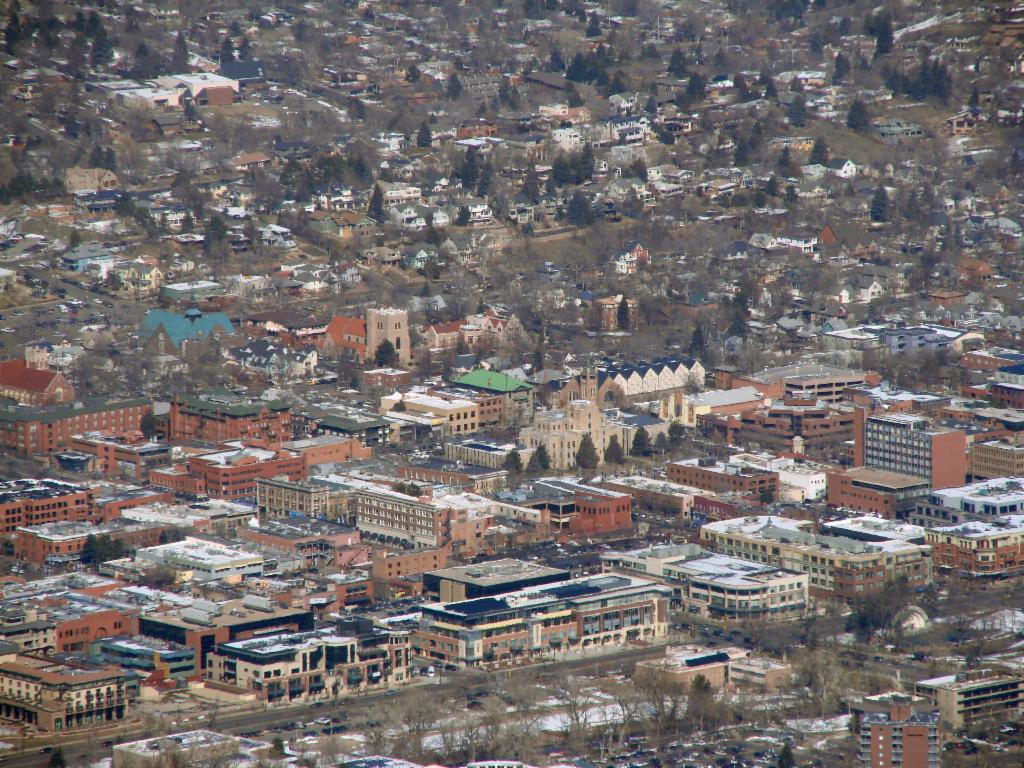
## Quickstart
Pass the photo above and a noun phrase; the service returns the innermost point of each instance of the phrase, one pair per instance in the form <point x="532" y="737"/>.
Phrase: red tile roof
<point x="17" y="375"/>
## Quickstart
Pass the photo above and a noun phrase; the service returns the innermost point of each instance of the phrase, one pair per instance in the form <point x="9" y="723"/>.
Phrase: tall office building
<point x="911" y="445"/>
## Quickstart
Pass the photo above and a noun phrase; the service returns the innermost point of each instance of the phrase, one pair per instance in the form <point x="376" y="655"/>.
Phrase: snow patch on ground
<point x="1008" y="620"/>
<point x="820" y="725"/>
<point x="921" y="26"/>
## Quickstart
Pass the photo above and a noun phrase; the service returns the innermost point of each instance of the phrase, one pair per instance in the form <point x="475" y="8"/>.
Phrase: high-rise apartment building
<point x="899" y="738"/>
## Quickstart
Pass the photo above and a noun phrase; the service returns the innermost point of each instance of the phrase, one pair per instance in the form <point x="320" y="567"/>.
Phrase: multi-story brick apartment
<point x="219" y="417"/>
<point x="911" y="445"/>
<point x="899" y="738"/>
<point x="311" y="666"/>
<point x="454" y="415"/>
<point x="43" y="429"/>
<point x="1007" y="386"/>
<point x="231" y="473"/>
<point x="582" y="509"/>
<point x="580" y="613"/>
<point x="839" y="567"/>
<point x="62" y="543"/>
<point x="55" y="696"/>
<point x="129" y="456"/>
<point x="504" y="400"/>
<point x="711" y="475"/>
<point x="34" y="502"/>
<point x="989" y="549"/>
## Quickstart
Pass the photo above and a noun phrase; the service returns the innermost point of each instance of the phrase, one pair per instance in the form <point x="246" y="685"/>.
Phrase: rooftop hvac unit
<point x="207" y="606"/>
<point x="195" y="616"/>
<point x="258" y="603"/>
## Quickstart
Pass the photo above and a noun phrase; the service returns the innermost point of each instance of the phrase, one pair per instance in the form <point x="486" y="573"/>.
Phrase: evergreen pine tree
<point x="586" y="455"/>
<point x="785" y="160"/>
<point x="797" y="112"/>
<point x="857" y="116"/>
<point x="622" y="314"/>
<point x="513" y="462"/>
<point x="244" y="49"/>
<point x="483" y="184"/>
<point x="376" y="209"/>
<point x="677" y="64"/>
<point x="424" y="137"/>
<point x="613" y="453"/>
<point x="661" y="444"/>
<point x="539" y="460"/>
<point x="454" y="91"/>
<point x="641" y="443"/>
<point x="179" y="59"/>
<point x="698" y="344"/>
<point x="676" y="433"/>
<point x="883" y="35"/>
<point x="227" y="50"/>
<point x="880" y="204"/>
<point x="840" y="68"/>
<point x="819" y="152"/>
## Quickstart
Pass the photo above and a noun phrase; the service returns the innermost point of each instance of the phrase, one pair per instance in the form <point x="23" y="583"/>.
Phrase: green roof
<point x="50" y="413"/>
<point x="226" y="404"/>
<point x="493" y="381"/>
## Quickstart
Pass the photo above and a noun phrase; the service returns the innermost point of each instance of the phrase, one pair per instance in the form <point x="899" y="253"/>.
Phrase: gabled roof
<point x="179" y="328"/>
<point x="341" y="326"/>
<point x="17" y="375"/>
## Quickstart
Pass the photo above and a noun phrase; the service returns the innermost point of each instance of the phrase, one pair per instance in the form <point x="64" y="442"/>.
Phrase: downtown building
<point x="594" y="611"/>
<point x="910" y="444"/>
<point x="838" y="567"/>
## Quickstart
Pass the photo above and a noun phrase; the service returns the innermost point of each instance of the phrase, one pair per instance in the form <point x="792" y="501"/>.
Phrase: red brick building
<point x="79" y="624"/>
<point x="62" y="543"/>
<point x="601" y="511"/>
<point x="33" y="386"/>
<point x="42" y="429"/>
<point x="35" y="502"/>
<point x="127" y="455"/>
<point x="874" y="491"/>
<point x="709" y="475"/>
<point x="229" y="474"/>
<point x="216" y="418"/>
<point x="320" y="542"/>
<point x="899" y="738"/>
<point x="980" y="549"/>
<point x="801" y="426"/>
<point x="389" y="379"/>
